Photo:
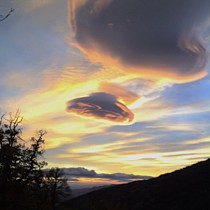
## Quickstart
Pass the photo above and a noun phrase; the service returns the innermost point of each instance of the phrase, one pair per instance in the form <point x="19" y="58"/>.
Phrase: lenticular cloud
<point x="101" y="106"/>
<point x="158" y="38"/>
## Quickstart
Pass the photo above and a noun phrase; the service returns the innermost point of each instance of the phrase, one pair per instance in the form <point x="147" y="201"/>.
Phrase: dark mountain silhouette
<point x="82" y="191"/>
<point x="185" y="189"/>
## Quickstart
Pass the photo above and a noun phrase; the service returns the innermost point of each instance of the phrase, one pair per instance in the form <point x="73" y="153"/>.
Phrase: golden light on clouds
<point x="110" y="90"/>
<point x="123" y="95"/>
<point x="154" y="73"/>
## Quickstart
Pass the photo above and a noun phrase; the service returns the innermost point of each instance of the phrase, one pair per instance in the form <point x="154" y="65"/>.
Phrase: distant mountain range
<point x="185" y="189"/>
<point x="82" y="191"/>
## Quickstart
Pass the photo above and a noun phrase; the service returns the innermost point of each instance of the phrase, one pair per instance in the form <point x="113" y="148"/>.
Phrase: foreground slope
<point x="188" y="188"/>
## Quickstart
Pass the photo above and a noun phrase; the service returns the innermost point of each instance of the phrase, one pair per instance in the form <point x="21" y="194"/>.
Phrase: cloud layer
<point x="100" y="105"/>
<point x="154" y="39"/>
<point x="85" y="173"/>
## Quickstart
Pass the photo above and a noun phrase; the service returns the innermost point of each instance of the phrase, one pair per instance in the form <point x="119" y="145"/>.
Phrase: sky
<point x="122" y="87"/>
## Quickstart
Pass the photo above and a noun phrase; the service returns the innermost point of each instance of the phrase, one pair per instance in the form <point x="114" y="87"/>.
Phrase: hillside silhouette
<point x="184" y="189"/>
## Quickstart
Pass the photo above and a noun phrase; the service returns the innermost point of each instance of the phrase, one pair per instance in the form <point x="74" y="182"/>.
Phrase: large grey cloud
<point x="100" y="105"/>
<point x="151" y="37"/>
<point x="81" y="172"/>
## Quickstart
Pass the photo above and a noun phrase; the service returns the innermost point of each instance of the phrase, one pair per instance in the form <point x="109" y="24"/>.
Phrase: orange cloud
<point x="122" y="94"/>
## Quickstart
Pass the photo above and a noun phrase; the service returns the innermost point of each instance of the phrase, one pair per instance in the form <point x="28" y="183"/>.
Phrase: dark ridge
<point x="184" y="189"/>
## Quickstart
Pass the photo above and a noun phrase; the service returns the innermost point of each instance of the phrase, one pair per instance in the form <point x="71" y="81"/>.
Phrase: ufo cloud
<point x="102" y="106"/>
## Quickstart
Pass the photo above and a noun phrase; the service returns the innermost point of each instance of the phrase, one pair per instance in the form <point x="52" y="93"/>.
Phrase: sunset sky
<point x="121" y="86"/>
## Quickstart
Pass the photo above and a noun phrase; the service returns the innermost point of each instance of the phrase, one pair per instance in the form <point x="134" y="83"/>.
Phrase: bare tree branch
<point x="6" y="16"/>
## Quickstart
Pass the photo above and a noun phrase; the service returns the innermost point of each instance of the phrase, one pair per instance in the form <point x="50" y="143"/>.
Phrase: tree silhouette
<point x="23" y="183"/>
<point x="56" y="187"/>
<point x="19" y="164"/>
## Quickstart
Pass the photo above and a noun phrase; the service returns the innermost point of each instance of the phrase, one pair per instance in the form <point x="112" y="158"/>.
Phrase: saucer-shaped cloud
<point x="155" y="39"/>
<point x="100" y="105"/>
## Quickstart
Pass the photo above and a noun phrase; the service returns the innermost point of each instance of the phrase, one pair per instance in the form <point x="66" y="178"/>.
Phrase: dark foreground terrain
<point x="185" y="189"/>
